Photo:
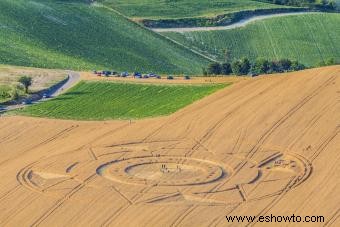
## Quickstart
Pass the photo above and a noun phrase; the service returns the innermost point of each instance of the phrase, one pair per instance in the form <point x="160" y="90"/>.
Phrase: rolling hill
<point x="77" y="35"/>
<point x="308" y="38"/>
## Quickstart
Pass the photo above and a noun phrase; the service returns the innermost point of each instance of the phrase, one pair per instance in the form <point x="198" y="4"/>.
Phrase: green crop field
<point x="76" y="35"/>
<point x="156" y="9"/>
<point x="308" y="38"/>
<point x="108" y="100"/>
<point x="192" y="13"/>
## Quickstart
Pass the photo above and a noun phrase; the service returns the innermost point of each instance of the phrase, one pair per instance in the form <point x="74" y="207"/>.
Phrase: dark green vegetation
<point x="76" y="35"/>
<point x="314" y="4"/>
<point x="9" y="93"/>
<point x="26" y="81"/>
<point x="260" y="66"/>
<point x="310" y="39"/>
<point x="107" y="100"/>
<point x="5" y="93"/>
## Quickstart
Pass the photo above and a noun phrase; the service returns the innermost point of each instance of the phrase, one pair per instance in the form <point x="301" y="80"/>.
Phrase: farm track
<point x="246" y="129"/>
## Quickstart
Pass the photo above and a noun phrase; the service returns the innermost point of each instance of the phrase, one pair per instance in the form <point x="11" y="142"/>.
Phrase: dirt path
<point x="239" y="24"/>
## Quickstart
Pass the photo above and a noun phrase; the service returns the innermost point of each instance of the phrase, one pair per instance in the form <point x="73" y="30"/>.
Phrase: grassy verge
<point x="109" y="100"/>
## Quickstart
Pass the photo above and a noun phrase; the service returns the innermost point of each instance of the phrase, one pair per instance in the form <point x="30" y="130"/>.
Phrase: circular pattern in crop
<point x="162" y="171"/>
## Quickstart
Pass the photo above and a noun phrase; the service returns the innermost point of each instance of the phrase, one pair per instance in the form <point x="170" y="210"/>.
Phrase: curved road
<point x="241" y="23"/>
<point x="73" y="78"/>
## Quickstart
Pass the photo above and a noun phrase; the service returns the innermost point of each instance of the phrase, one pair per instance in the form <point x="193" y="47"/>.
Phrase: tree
<point x="226" y="68"/>
<point x="245" y="66"/>
<point x="226" y="55"/>
<point x="284" y="64"/>
<point x="236" y="67"/>
<point x="330" y="61"/>
<point x="261" y="66"/>
<point x="204" y="71"/>
<point x="26" y="81"/>
<point x="296" y="66"/>
<point x="274" y="67"/>
<point x="214" y="68"/>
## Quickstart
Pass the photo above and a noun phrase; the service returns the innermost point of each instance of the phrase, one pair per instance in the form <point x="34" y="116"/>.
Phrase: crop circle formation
<point x="162" y="171"/>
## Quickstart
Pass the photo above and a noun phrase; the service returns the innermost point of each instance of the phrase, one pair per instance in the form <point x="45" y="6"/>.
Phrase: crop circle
<point x="162" y="171"/>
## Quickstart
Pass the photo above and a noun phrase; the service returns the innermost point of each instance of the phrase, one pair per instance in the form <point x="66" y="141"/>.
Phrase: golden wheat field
<point x="269" y="145"/>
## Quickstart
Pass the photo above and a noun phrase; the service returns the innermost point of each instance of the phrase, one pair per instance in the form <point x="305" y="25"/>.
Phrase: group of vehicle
<point x="137" y="75"/>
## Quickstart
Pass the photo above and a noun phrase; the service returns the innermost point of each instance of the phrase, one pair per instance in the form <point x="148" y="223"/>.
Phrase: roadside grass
<point x="42" y="79"/>
<point x="309" y="38"/>
<point x="5" y="93"/>
<point x="109" y="100"/>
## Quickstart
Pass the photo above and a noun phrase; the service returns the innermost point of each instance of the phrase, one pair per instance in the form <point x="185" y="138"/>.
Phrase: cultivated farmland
<point x="158" y="9"/>
<point x="188" y="13"/>
<point x="108" y="100"/>
<point x="49" y="34"/>
<point x="265" y="146"/>
<point x="308" y="38"/>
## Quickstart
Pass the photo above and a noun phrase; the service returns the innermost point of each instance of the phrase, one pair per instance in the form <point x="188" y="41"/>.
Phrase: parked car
<point x="107" y="73"/>
<point x="45" y="96"/>
<point x="26" y="102"/>
<point x="152" y="75"/>
<point x="253" y="74"/>
<point x="136" y="74"/>
<point x="124" y="74"/>
<point x="158" y="77"/>
<point x="186" y="77"/>
<point x="170" y="77"/>
<point x="146" y="76"/>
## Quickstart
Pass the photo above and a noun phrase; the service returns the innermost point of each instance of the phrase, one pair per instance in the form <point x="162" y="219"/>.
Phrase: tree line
<point x="318" y="4"/>
<point x="244" y="66"/>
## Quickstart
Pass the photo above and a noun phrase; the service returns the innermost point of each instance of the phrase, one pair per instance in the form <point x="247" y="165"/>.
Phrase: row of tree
<point x="260" y="66"/>
<point x="321" y="4"/>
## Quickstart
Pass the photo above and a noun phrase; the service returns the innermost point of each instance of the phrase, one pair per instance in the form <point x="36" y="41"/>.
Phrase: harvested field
<point x="268" y="145"/>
